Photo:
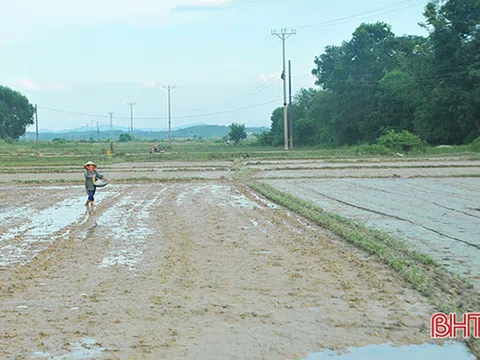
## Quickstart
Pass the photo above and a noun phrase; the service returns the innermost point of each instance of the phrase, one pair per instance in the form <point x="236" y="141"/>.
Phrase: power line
<point x="76" y="113"/>
<point x="164" y="118"/>
<point x="228" y="111"/>
<point x="268" y="82"/>
<point x="337" y="21"/>
<point x="446" y="76"/>
<point x="231" y="69"/>
<point x="254" y="90"/>
<point x="356" y="16"/>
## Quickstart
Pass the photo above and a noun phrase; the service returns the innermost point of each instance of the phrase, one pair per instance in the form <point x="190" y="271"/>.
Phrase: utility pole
<point x="111" y="133"/>
<point x="290" y="102"/>
<point x="36" y="129"/>
<point x="131" y="104"/>
<point x="169" y="89"/>
<point x="98" y="131"/>
<point x="284" y="35"/>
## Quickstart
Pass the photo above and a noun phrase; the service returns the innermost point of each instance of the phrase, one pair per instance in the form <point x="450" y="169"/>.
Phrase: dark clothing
<point x="90" y="178"/>
<point x="91" y="193"/>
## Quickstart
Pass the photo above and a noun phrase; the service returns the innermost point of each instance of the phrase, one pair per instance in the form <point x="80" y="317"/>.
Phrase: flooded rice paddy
<point x="212" y="270"/>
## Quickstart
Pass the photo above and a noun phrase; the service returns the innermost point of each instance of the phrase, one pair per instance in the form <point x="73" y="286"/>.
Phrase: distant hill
<point x="106" y="128"/>
<point x="203" y="131"/>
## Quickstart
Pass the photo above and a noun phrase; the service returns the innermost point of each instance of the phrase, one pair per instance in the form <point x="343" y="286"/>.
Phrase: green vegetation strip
<point x="139" y="180"/>
<point x="394" y="176"/>
<point x="355" y="167"/>
<point x="447" y="292"/>
<point x="22" y="153"/>
<point x="47" y="170"/>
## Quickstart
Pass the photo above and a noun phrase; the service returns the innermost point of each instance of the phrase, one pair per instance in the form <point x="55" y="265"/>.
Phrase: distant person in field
<point x="91" y="175"/>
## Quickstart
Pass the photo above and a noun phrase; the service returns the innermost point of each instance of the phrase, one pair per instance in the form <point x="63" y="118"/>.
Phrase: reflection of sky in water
<point x="127" y="230"/>
<point x="38" y="229"/>
<point x="85" y="349"/>
<point x="30" y="230"/>
<point x="46" y="222"/>
<point x="449" y="351"/>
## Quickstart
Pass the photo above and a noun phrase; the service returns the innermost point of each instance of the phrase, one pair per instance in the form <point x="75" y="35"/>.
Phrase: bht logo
<point x="447" y="326"/>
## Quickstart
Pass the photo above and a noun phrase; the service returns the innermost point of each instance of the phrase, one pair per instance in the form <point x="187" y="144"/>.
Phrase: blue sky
<point x="95" y="56"/>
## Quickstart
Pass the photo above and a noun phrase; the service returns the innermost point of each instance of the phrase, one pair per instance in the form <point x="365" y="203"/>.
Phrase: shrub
<point x="475" y="145"/>
<point x="374" y="149"/>
<point x="125" y="137"/>
<point x="403" y="141"/>
<point x="265" y="138"/>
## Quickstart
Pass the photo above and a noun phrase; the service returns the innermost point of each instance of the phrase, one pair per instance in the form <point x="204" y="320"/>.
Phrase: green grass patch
<point x="22" y="153"/>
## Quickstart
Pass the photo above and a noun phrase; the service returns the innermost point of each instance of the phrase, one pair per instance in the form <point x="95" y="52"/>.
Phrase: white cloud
<point x="151" y="84"/>
<point x="28" y="16"/>
<point x="268" y="79"/>
<point x="201" y="5"/>
<point x="35" y="13"/>
<point x="21" y="19"/>
<point x="28" y="84"/>
<point x="206" y="3"/>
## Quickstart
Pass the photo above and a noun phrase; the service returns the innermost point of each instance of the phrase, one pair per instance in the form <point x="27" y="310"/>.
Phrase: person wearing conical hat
<point x="91" y="175"/>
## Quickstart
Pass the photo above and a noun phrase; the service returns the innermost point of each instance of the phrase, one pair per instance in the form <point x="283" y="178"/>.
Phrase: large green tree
<point x="298" y="110"/>
<point x="237" y="132"/>
<point x="451" y="112"/>
<point x="16" y="113"/>
<point x="376" y="82"/>
<point x="352" y="72"/>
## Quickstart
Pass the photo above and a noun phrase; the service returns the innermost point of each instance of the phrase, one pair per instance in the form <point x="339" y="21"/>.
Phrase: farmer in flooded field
<point x="91" y="175"/>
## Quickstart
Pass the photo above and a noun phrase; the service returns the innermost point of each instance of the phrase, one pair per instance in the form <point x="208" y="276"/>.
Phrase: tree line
<point x="378" y="82"/>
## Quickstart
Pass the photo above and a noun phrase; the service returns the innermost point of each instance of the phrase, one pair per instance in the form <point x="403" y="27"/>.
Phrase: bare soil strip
<point x="318" y="165"/>
<point x="370" y="173"/>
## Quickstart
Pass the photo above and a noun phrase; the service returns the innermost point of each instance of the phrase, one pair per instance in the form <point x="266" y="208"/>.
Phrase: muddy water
<point x="198" y="271"/>
<point x="26" y="229"/>
<point x="435" y="216"/>
<point x="414" y="352"/>
<point x="127" y="247"/>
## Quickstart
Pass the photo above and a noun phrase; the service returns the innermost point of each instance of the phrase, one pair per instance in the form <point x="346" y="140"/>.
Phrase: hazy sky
<point x="94" y="56"/>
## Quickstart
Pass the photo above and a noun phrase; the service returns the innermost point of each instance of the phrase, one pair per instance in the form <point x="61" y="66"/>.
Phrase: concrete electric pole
<point x="169" y="88"/>
<point x="36" y="129"/>
<point x="111" y="133"/>
<point x="131" y="104"/>
<point x="290" y="118"/>
<point x="284" y="35"/>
